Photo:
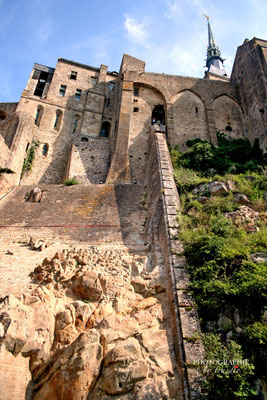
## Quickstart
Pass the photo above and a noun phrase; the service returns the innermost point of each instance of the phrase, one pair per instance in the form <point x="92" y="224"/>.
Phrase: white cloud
<point x="137" y="31"/>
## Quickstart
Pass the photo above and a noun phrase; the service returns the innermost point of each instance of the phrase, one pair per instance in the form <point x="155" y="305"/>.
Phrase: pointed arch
<point x="228" y="116"/>
<point x="189" y="117"/>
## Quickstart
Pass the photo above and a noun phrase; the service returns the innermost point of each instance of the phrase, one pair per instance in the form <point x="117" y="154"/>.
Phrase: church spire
<point x="214" y="61"/>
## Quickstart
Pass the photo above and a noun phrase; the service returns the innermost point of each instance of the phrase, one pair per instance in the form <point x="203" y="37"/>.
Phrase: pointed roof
<point x="214" y="61"/>
<point x="213" y="51"/>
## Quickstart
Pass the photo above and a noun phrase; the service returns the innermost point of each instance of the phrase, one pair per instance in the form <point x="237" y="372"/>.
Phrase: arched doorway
<point x="105" y="129"/>
<point x="158" y="115"/>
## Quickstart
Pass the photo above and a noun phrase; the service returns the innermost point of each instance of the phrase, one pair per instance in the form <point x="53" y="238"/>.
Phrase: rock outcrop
<point x="94" y="325"/>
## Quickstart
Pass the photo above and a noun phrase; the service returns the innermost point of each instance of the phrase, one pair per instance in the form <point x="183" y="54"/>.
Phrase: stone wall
<point x="89" y="159"/>
<point x="77" y="115"/>
<point x="140" y="126"/>
<point x="229" y="117"/>
<point x="8" y="122"/>
<point x="249" y="76"/>
<point x="189" y="118"/>
<point x="163" y="233"/>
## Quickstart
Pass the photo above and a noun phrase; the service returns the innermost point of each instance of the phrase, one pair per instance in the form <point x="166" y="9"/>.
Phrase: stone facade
<point x="250" y="78"/>
<point x="117" y="108"/>
<point x="77" y="121"/>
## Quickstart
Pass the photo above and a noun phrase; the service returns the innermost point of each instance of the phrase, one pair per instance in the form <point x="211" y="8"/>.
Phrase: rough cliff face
<point x="94" y="325"/>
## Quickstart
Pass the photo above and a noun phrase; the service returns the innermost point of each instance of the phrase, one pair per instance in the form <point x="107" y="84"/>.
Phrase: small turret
<point x="214" y="61"/>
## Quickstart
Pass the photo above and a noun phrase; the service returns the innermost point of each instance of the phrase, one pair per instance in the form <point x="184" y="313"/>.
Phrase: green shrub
<point x="229" y="156"/>
<point x="227" y="374"/>
<point x="186" y="179"/>
<point x="70" y="182"/>
<point x="255" y="342"/>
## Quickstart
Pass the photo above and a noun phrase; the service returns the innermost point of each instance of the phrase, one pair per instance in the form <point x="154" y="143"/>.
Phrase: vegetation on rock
<point x="70" y="182"/>
<point x="30" y="156"/>
<point x="220" y="239"/>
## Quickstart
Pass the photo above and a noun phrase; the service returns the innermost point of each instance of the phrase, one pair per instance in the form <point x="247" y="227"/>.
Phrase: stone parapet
<point x="163" y="226"/>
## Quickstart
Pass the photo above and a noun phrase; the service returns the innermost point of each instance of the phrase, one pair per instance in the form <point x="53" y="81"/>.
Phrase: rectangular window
<point x="43" y="77"/>
<point x="111" y="86"/>
<point x="93" y="80"/>
<point x="62" y="90"/>
<point x="73" y="75"/>
<point x="136" y="109"/>
<point x="78" y="93"/>
<point x="136" y="91"/>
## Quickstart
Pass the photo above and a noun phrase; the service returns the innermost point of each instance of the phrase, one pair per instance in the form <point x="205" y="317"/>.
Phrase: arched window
<point x="58" y="120"/>
<point x="38" y="116"/>
<point x="45" y="149"/>
<point x="75" y="124"/>
<point x="105" y="129"/>
<point x="2" y="116"/>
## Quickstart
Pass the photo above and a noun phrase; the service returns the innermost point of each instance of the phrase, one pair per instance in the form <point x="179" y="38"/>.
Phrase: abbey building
<point x="93" y="124"/>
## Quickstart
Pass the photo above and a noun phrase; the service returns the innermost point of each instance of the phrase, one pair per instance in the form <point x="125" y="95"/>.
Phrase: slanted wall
<point x="163" y="232"/>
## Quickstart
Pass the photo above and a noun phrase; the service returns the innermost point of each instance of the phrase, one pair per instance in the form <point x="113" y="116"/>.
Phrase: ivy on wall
<point x="30" y="156"/>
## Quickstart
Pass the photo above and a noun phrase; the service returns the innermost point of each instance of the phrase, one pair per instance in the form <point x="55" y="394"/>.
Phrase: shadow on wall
<point x="8" y="127"/>
<point x="147" y="108"/>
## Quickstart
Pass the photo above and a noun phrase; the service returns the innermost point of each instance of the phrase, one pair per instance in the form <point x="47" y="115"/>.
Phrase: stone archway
<point x="228" y="116"/>
<point x="189" y="118"/>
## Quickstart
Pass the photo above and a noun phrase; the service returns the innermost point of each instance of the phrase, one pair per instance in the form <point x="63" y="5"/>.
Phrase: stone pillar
<point x="102" y="73"/>
<point x="120" y="168"/>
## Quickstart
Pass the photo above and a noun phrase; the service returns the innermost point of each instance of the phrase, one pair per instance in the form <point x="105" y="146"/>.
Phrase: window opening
<point x="105" y="129"/>
<point x="62" y="90"/>
<point x="75" y="124"/>
<point x="196" y="109"/>
<point x="73" y="75"/>
<point x="111" y="86"/>
<point x="136" y="109"/>
<point x="93" y="80"/>
<point x="136" y="91"/>
<point x="78" y="93"/>
<point x="41" y="84"/>
<point x="108" y="103"/>
<point x="84" y="139"/>
<point x="45" y="149"/>
<point x="58" y="118"/>
<point x="38" y="116"/>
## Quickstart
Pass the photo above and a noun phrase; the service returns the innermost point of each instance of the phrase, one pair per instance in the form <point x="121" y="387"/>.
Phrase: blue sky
<point x="170" y="35"/>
